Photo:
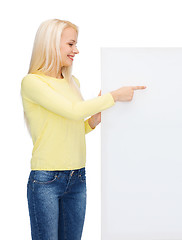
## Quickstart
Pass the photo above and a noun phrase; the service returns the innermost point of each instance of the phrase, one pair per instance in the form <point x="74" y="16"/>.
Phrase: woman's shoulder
<point x="32" y="79"/>
<point x="34" y="75"/>
<point x="31" y="75"/>
<point x="27" y="77"/>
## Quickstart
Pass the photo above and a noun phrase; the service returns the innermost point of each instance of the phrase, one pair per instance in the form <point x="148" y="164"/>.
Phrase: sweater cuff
<point x="88" y="127"/>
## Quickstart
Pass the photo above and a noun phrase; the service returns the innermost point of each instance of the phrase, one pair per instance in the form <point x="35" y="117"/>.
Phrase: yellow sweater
<point x="56" y="113"/>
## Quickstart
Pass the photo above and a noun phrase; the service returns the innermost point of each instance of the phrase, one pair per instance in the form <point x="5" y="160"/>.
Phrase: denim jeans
<point x="57" y="204"/>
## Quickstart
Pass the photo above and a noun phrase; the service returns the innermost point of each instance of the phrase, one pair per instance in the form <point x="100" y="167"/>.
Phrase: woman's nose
<point x="76" y="51"/>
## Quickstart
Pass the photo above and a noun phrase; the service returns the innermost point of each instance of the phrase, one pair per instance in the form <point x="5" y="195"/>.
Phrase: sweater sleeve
<point x="39" y="92"/>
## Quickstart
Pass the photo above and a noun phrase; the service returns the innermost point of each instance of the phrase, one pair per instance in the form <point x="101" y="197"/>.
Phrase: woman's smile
<point x="70" y="57"/>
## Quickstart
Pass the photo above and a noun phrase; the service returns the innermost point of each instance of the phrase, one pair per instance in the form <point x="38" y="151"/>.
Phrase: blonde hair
<point x="46" y="50"/>
<point x="46" y="53"/>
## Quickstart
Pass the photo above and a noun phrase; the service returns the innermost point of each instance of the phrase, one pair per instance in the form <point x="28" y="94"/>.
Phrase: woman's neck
<point x="53" y="74"/>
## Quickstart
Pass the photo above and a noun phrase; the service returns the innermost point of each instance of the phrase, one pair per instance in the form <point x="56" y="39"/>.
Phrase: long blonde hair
<point x="46" y="52"/>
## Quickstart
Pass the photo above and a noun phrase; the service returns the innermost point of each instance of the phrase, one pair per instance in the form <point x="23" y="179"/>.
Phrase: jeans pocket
<point x="44" y="177"/>
<point x="82" y="175"/>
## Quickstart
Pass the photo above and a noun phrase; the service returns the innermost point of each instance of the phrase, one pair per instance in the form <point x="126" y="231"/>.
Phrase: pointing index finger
<point x="138" y="87"/>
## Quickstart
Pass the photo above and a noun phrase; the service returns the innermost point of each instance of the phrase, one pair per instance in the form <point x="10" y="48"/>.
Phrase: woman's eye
<point x="72" y="45"/>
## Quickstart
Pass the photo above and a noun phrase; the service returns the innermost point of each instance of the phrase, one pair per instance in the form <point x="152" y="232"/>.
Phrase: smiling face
<point x="68" y="46"/>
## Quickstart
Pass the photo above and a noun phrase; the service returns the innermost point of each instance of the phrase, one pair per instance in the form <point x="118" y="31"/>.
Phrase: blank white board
<point x="141" y="145"/>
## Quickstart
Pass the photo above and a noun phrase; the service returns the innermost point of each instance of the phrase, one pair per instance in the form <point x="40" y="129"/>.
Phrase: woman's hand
<point x="95" y="119"/>
<point x="125" y="93"/>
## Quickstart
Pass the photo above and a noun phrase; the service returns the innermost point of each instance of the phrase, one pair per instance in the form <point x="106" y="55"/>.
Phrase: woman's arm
<point x="39" y="92"/>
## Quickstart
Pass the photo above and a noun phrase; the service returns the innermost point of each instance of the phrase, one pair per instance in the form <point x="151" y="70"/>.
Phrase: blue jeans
<point x="57" y="204"/>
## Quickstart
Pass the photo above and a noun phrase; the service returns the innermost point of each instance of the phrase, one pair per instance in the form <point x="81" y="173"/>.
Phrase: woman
<point x="54" y="112"/>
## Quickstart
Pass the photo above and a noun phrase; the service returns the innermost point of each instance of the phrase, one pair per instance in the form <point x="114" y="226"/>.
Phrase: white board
<point x="141" y="145"/>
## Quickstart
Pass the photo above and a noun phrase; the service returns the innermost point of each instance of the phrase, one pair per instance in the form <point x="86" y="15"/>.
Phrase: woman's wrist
<point x="91" y="123"/>
<point x="114" y="95"/>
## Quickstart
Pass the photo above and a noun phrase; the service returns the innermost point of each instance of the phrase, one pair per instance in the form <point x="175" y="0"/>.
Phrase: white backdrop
<point x="141" y="145"/>
<point x="120" y="23"/>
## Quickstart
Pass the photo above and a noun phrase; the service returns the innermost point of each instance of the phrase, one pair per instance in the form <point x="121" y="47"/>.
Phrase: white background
<point x="102" y="24"/>
<point x="141" y="146"/>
